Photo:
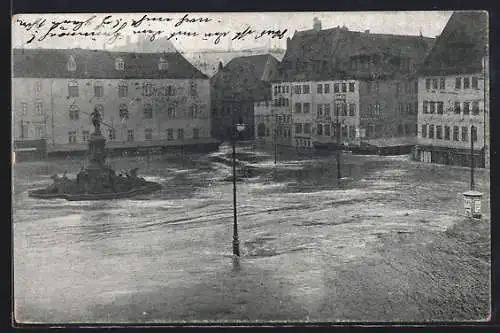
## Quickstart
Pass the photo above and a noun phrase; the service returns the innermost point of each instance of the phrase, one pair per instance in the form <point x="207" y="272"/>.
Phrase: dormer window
<point x="119" y="64"/>
<point x="71" y="64"/>
<point x="163" y="65"/>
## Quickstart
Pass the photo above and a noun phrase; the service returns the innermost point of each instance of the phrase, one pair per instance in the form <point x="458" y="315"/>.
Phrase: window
<point x="398" y="88"/>
<point x="85" y="136"/>
<point x="458" y="83"/>
<point x="377" y="109"/>
<point x="475" y="82"/>
<point x="39" y="131"/>
<point x="298" y="108"/>
<point x="147" y="89"/>
<point x="171" y="112"/>
<point x="98" y="89"/>
<point x="71" y="65"/>
<point x="352" y="109"/>
<point x="400" y="129"/>
<point x="427" y="84"/>
<point x="194" y="111"/>
<point x="466" y="108"/>
<point x="72" y="137"/>
<point x="180" y="134"/>
<point x="344" y="87"/>
<point x="130" y="135"/>
<point x="298" y="89"/>
<point x="24" y="108"/>
<point x="193" y="88"/>
<point x="306" y="108"/>
<point x="424" y="131"/>
<point x="425" y="107"/>
<point x="119" y="64"/>
<point x="307" y="128"/>
<point x="441" y="84"/>
<point x="466" y="83"/>
<point x="326" y="129"/>
<point x="447" y="132"/>
<point x="74" y="112"/>
<point x="163" y="65"/>
<point x="455" y="133"/>
<point x="407" y="129"/>
<point x="196" y="133"/>
<point x="431" y="131"/>
<point x="439" y="132"/>
<point x="434" y="84"/>
<point x="473" y="133"/>
<point x="148" y="111"/>
<point x="326" y="110"/>
<point x="326" y="88"/>
<point x="305" y="89"/>
<point x="320" y="110"/>
<point x="343" y="109"/>
<point x="351" y="86"/>
<point x="38" y="108"/>
<point x="336" y="87"/>
<point x="38" y="86"/>
<point x="400" y="109"/>
<point x="432" y="108"/>
<point x="111" y="134"/>
<point x="465" y="136"/>
<point x="298" y="128"/>
<point x="440" y="107"/>
<point x="122" y="89"/>
<point x="320" y="88"/>
<point x="475" y="107"/>
<point x="352" y="131"/>
<point x="415" y="107"/>
<point x="456" y="107"/>
<point x="73" y="89"/>
<point x="148" y="134"/>
<point x="344" y="132"/>
<point x="320" y="129"/>
<point x="408" y="108"/>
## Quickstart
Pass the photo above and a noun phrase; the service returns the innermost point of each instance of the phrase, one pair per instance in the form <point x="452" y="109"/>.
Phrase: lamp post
<point x="472" y="134"/>
<point x="239" y="127"/>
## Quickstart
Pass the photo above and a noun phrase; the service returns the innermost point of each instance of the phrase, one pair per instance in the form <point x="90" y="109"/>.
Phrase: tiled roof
<point x="461" y="46"/>
<point x="325" y="54"/>
<point x="100" y="64"/>
<point x="245" y="76"/>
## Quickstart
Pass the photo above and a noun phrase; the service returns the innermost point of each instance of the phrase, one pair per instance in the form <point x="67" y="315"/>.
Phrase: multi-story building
<point x="235" y="88"/>
<point x="365" y="84"/>
<point x="264" y="122"/>
<point x="146" y="99"/>
<point x="453" y="94"/>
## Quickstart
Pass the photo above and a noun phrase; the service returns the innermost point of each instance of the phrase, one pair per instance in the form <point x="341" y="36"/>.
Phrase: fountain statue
<point x="98" y="181"/>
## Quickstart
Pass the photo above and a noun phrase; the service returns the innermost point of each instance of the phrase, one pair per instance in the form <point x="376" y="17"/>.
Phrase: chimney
<point x="316" y="24"/>
<point x="367" y="31"/>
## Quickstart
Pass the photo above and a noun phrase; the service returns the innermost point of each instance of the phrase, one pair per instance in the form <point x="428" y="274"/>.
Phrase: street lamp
<point x="239" y="128"/>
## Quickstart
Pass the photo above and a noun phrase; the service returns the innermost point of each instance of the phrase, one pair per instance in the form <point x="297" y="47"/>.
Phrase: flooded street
<point x="373" y="247"/>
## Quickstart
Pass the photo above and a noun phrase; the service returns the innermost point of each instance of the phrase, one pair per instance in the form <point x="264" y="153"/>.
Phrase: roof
<point x="325" y="54"/>
<point x="100" y="64"/>
<point x="460" y="47"/>
<point x="246" y="76"/>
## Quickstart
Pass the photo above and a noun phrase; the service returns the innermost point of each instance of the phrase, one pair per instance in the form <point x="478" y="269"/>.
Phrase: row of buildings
<point x="332" y="87"/>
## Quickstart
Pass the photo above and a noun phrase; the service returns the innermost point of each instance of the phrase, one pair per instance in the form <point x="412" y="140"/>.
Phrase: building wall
<point x="388" y="108"/>
<point x="282" y="113"/>
<point x="226" y="113"/>
<point x="264" y="122"/>
<point x="56" y="101"/>
<point x="450" y="95"/>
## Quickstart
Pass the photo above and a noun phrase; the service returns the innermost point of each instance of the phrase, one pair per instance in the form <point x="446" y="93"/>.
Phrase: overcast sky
<point x="429" y="23"/>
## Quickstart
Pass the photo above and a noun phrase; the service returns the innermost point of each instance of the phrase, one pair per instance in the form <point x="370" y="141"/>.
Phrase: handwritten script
<point x="115" y="27"/>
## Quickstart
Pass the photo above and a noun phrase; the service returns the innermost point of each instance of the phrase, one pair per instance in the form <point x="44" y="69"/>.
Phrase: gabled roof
<point x="325" y="54"/>
<point x="460" y="47"/>
<point x="100" y="64"/>
<point x="244" y="75"/>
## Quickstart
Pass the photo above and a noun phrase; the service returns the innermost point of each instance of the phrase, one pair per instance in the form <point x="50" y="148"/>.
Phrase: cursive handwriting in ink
<point x="241" y="35"/>
<point x="37" y="24"/>
<point x="187" y="19"/>
<point x="146" y="18"/>
<point x="61" y="25"/>
<point x="217" y="35"/>
<point x="272" y="33"/>
<point x="152" y="33"/>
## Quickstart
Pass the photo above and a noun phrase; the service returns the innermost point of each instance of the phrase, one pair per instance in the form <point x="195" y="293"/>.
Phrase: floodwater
<point x="88" y="261"/>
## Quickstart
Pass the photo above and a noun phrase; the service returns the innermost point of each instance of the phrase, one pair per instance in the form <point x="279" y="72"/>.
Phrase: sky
<point x="266" y="28"/>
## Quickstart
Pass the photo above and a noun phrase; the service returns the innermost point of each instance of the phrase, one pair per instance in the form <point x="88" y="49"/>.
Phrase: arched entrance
<point x="261" y="130"/>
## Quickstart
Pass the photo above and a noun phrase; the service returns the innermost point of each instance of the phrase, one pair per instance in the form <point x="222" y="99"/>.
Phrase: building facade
<point x="453" y="118"/>
<point x="363" y="91"/>
<point x="234" y="90"/>
<point x="145" y="99"/>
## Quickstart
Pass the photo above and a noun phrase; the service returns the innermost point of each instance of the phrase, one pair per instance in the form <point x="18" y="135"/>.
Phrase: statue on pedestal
<point x="96" y="118"/>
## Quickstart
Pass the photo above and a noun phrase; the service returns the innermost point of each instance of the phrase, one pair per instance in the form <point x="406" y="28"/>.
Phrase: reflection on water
<point x="93" y="251"/>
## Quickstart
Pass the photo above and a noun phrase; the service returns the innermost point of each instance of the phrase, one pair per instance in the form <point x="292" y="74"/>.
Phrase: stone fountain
<point x="98" y="181"/>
